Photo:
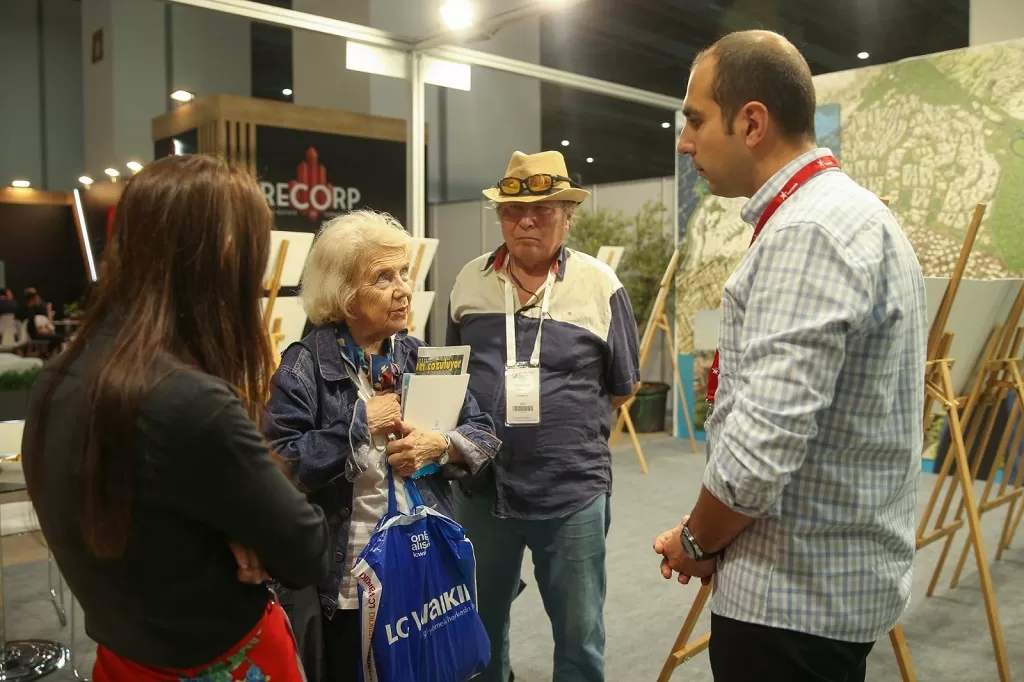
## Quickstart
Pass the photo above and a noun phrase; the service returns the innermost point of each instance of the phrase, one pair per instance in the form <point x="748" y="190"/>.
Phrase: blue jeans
<point x="569" y="566"/>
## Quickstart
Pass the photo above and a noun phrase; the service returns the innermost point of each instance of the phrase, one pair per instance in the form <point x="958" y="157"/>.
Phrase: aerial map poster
<point x="936" y="135"/>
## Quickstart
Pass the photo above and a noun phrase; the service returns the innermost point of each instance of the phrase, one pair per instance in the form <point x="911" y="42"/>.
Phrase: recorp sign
<point x="309" y="192"/>
<point x="308" y="177"/>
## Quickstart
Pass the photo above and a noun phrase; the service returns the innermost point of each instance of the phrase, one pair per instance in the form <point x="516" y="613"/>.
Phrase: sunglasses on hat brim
<point x="539" y="183"/>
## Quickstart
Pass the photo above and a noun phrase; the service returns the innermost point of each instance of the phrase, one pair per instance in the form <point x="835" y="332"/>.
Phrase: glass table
<point x="28" y="659"/>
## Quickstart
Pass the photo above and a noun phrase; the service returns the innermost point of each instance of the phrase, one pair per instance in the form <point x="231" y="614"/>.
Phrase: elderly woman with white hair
<point x="335" y="401"/>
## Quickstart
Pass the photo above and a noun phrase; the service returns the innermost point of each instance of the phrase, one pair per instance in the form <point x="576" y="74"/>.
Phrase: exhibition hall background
<point x="87" y="79"/>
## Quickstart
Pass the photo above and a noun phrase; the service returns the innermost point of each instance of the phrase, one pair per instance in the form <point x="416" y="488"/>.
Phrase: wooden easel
<point x="273" y="287"/>
<point x="939" y="388"/>
<point x="658" y="321"/>
<point x="999" y="375"/>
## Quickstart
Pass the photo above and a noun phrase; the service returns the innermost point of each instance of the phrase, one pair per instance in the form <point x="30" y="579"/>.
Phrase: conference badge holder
<point x="522" y="379"/>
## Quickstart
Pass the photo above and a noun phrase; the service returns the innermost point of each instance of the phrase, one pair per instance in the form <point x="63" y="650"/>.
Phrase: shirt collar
<point x="755" y="207"/>
<point x="499" y="256"/>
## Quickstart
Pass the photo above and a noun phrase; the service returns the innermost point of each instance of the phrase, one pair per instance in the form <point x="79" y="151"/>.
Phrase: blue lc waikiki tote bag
<point x="417" y="598"/>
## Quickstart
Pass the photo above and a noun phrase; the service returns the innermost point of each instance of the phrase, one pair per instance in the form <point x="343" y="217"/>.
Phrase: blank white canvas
<point x="705" y="329"/>
<point x="422" y="302"/>
<point x="612" y="255"/>
<point x="429" y="249"/>
<point x="979" y="306"/>
<point x="293" y="319"/>
<point x="299" y="244"/>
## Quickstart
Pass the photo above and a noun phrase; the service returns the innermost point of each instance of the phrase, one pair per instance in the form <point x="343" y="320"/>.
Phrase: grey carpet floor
<point x="947" y="634"/>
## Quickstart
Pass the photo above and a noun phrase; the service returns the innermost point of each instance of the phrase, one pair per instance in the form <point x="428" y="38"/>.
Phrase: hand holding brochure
<point x="433" y="396"/>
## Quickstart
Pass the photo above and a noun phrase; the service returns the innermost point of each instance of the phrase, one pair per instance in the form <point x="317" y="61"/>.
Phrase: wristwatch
<point x="446" y="453"/>
<point x="691" y="547"/>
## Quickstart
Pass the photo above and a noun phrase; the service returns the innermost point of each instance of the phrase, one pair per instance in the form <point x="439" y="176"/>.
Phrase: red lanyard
<point x="795" y="183"/>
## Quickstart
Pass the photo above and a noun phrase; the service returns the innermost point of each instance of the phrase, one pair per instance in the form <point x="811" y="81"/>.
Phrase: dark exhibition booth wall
<point x="312" y="165"/>
<point x="40" y="245"/>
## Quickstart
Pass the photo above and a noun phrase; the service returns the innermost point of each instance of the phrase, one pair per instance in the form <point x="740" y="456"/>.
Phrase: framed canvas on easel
<point x="284" y="316"/>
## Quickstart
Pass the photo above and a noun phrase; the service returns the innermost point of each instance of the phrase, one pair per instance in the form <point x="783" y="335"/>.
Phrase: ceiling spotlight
<point x="287" y="92"/>
<point x="21" y="183"/>
<point x="85" y="180"/>
<point x="666" y="124"/>
<point x="457" y="14"/>
<point x="112" y="172"/>
<point x="862" y="55"/>
<point x="565" y="143"/>
<point x="183" y="96"/>
<point x="134" y="166"/>
<point x="590" y="159"/>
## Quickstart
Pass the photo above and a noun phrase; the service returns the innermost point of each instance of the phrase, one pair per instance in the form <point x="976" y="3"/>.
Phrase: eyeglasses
<point x="540" y="183"/>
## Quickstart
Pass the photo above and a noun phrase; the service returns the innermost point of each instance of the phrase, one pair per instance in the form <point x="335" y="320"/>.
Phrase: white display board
<point x="293" y="319"/>
<point x="980" y="305"/>
<point x="611" y="256"/>
<point x="422" y="257"/>
<point x="299" y="244"/>
<point x="422" y="302"/>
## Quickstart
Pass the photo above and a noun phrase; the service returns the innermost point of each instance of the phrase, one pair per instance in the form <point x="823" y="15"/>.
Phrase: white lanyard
<point x="510" y="323"/>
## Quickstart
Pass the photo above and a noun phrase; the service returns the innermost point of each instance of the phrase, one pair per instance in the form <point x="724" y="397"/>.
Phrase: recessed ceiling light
<point x="287" y="92"/>
<point x="112" y="172"/>
<point x="666" y="124"/>
<point x="457" y="14"/>
<point x="565" y="143"/>
<point x="183" y="96"/>
<point x="85" y="180"/>
<point x="862" y="55"/>
<point x="21" y="183"/>
<point x="590" y="159"/>
<point x="134" y="166"/>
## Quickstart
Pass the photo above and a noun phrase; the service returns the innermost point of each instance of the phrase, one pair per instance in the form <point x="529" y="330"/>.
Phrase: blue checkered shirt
<point x="816" y="431"/>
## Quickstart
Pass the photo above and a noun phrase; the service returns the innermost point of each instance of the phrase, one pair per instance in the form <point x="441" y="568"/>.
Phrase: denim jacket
<point x="317" y="423"/>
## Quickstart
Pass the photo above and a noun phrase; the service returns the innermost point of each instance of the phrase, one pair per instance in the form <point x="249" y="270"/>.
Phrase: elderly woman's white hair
<point x="334" y="266"/>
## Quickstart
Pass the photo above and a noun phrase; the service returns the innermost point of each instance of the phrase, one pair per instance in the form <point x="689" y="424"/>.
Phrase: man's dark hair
<point x="758" y="66"/>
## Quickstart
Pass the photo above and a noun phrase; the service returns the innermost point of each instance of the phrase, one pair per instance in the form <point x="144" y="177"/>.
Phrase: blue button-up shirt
<point x="817" y="427"/>
<point x="589" y="352"/>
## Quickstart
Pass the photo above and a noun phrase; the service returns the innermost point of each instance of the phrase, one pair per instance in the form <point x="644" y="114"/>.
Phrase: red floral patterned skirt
<point x="266" y="654"/>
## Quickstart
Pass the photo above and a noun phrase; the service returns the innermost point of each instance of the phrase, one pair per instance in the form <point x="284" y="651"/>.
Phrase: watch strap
<point x="446" y="453"/>
<point x="697" y="553"/>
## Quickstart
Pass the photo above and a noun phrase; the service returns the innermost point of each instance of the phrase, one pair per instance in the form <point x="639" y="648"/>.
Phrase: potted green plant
<point x="72" y="311"/>
<point x="649" y="243"/>
<point x="14" y="388"/>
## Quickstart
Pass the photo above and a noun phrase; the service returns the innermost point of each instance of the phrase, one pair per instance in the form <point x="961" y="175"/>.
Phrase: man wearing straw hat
<point x="554" y="352"/>
<point x="807" y="508"/>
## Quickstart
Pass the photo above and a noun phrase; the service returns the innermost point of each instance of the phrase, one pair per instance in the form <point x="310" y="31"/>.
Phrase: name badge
<point x="522" y="395"/>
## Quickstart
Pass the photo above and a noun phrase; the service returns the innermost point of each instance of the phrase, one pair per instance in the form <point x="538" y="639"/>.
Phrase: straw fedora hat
<point x="523" y="166"/>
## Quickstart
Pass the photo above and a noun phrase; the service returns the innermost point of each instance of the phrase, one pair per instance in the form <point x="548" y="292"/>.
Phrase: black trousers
<point x="342" y="646"/>
<point x="744" y="652"/>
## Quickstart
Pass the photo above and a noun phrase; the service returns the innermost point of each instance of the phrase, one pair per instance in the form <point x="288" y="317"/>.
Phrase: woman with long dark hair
<point x="154" y="489"/>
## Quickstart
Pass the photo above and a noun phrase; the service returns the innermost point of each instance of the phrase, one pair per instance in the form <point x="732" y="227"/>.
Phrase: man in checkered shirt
<point x="806" y="517"/>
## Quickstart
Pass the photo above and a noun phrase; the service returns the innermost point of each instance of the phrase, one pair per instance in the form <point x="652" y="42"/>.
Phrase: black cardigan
<point x="203" y="477"/>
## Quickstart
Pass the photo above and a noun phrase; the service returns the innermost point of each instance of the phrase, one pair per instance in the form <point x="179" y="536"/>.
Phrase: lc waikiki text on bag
<point x="417" y="598"/>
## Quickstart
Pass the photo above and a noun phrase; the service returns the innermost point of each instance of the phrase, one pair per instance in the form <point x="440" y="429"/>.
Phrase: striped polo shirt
<point x="589" y="352"/>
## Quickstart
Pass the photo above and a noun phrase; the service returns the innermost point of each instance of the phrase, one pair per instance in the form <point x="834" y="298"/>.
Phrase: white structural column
<point x="416" y="158"/>
<point x="470" y="135"/>
<point x="996" y="20"/>
<point x="130" y="84"/>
